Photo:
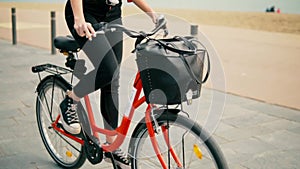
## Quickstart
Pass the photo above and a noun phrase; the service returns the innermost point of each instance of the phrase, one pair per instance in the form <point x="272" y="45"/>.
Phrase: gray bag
<point x="171" y="69"/>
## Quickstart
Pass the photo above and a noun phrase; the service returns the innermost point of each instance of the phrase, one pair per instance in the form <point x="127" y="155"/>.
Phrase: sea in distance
<point x="286" y="6"/>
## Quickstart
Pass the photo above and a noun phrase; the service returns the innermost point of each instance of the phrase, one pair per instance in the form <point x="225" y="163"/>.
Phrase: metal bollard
<point x="194" y="30"/>
<point x="14" y="26"/>
<point x="53" y="32"/>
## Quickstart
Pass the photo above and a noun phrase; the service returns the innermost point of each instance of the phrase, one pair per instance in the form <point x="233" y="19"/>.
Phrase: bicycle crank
<point x="94" y="152"/>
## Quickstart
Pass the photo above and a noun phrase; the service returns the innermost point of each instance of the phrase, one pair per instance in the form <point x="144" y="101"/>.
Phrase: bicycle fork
<point x="154" y="142"/>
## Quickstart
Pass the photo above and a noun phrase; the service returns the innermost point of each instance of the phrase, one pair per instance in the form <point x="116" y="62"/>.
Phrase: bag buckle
<point x="189" y="97"/>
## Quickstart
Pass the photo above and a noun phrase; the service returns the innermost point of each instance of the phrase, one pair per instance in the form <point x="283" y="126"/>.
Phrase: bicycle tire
<point x="143" y="156"/>
<point x="64" y="151"/>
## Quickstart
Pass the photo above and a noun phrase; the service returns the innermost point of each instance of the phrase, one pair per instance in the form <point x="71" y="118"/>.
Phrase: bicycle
<point x="176" y="140"/>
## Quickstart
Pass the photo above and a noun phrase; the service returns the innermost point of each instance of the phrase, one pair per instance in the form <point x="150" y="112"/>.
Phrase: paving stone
<point x="236" y="100"/>
<point x="10" y="112"/>
<point x="223" y="127"/>
<point x="234" y="110"/>
<point x="232" y="157"/>
<point x="244" y="133"/>
<point x="5" y="122"/>
<point x="28" y="160"/>
<point x="12" y="147"/>
<point x="248" y="146"/>
<point x="250" y="119"/>
<point x="276" y="111"/>
<point x="251" y="134"/>
<point x="220" y="140"/>
<point x="282" y="139"/>
<point x="275" y="160"/>
<point x="24" y="130"/>
<point x="6" y="134"/>
<point x="281" y="124"/>
<point x="236" y="166"/>
<point x="295" y="130"/>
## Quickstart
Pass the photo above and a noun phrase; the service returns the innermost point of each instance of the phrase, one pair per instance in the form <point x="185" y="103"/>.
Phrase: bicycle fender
<point x="53" y="77"/>
<point x="157" y="114"/>
<point x="142" y="124"/>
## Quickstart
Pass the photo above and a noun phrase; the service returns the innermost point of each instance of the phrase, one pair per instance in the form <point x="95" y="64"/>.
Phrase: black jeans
<point x="105" y="53"/>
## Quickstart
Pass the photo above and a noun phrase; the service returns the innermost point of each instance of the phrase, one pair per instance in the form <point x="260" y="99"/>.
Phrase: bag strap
<point x="208" y="69"/>
<point x="208" y="60"/>
<point x="193" y="50"/>
<point x="187" y="65"/>
<point x="187" y="42"/>
<point x="191" y="46"/>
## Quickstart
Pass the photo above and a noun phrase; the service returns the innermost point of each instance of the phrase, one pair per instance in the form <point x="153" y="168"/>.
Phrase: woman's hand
<point x="146" y="8"/>
<point x="84" y="29"/>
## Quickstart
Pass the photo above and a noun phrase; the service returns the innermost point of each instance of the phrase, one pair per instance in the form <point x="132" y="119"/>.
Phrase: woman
<point x="80" y="15"/>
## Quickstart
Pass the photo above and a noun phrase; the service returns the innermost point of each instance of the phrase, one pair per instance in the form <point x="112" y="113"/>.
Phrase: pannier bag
<point x="171" y="69"/>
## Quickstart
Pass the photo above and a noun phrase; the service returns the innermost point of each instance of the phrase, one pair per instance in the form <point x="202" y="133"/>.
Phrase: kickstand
<point x="114" y="163"/>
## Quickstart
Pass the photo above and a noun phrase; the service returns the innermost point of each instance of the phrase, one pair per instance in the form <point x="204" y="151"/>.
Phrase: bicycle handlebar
<point x="161" y="24"/>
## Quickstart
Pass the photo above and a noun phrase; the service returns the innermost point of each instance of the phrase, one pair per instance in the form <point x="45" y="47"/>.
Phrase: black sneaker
<point x="69" y="116"/>
<point x="120" y="158"/>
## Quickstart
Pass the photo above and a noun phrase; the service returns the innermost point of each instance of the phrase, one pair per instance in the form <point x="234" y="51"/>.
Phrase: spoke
<point x="52" y="97"/>
<point x="152" y="161"/>
<point x="182" y="140"/>
<point x="146" y="159"/>
<point x="190" y="157"/>
<point x="183" y="150"/>
<point x="67" y="142"/>
<point x="49" y="114"/>
<point x="43" y="110"/>
<point x="47" y="104"/>
<point x="168" y="143"/>
<point x="65" y="151"/>
<point x="154" y="164"/>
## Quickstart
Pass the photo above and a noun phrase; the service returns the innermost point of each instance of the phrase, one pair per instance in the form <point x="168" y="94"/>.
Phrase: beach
<point x="273" y="22"/>
<point x="260" y="52"/>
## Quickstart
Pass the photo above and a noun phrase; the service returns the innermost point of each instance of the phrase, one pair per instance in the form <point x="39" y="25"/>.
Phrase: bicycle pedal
<point x="59" y="125"/>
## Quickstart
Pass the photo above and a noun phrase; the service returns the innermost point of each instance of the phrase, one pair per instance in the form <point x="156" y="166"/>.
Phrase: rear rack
<point x="50" y="68"/>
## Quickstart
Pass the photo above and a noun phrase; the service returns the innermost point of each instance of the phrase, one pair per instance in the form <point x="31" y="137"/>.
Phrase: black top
<point x="99" y="9"/>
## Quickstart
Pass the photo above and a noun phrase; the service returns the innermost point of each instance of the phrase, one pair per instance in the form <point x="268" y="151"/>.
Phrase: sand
<point x="260" y="52"/>
<point x="273" y="22"/>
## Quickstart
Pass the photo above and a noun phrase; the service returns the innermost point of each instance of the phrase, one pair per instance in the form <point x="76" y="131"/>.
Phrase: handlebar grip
<point x="36" y="69"/>
<point x="161" y="21"/>
<point x="99" y="26"/>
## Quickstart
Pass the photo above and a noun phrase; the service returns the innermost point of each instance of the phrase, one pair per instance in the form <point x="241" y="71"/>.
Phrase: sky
<point x="286" y="6"/>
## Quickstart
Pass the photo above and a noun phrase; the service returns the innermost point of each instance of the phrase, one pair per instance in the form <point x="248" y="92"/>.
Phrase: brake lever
<point x="161" y="23"/>
<point x="166" y="32"/>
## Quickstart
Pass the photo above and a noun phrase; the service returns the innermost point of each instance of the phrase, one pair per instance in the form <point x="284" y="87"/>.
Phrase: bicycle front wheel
<point x="64" y="151"/>
<point x="190" y="143"/>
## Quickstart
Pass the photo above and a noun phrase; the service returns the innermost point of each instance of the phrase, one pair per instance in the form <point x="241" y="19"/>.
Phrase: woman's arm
<point x="80" y="25"/>
<point x="146" y="8"/>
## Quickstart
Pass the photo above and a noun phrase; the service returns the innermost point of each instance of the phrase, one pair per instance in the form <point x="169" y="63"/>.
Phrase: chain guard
<point x="94" y="152"/>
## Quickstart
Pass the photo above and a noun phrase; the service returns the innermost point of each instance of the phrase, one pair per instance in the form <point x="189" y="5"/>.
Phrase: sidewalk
<point x="252" y="134"/>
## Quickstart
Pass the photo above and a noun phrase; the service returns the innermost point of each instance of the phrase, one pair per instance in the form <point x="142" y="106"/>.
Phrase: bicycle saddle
<point x="66" y="43"/>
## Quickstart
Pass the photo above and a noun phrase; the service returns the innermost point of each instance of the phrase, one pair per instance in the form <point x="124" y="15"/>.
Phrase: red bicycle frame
<point x="122" y="130"/>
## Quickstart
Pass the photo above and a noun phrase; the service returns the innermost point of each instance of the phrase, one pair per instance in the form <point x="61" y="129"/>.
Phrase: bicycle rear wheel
<point x="191" y="143"/>
<point x="64" y="151"/>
